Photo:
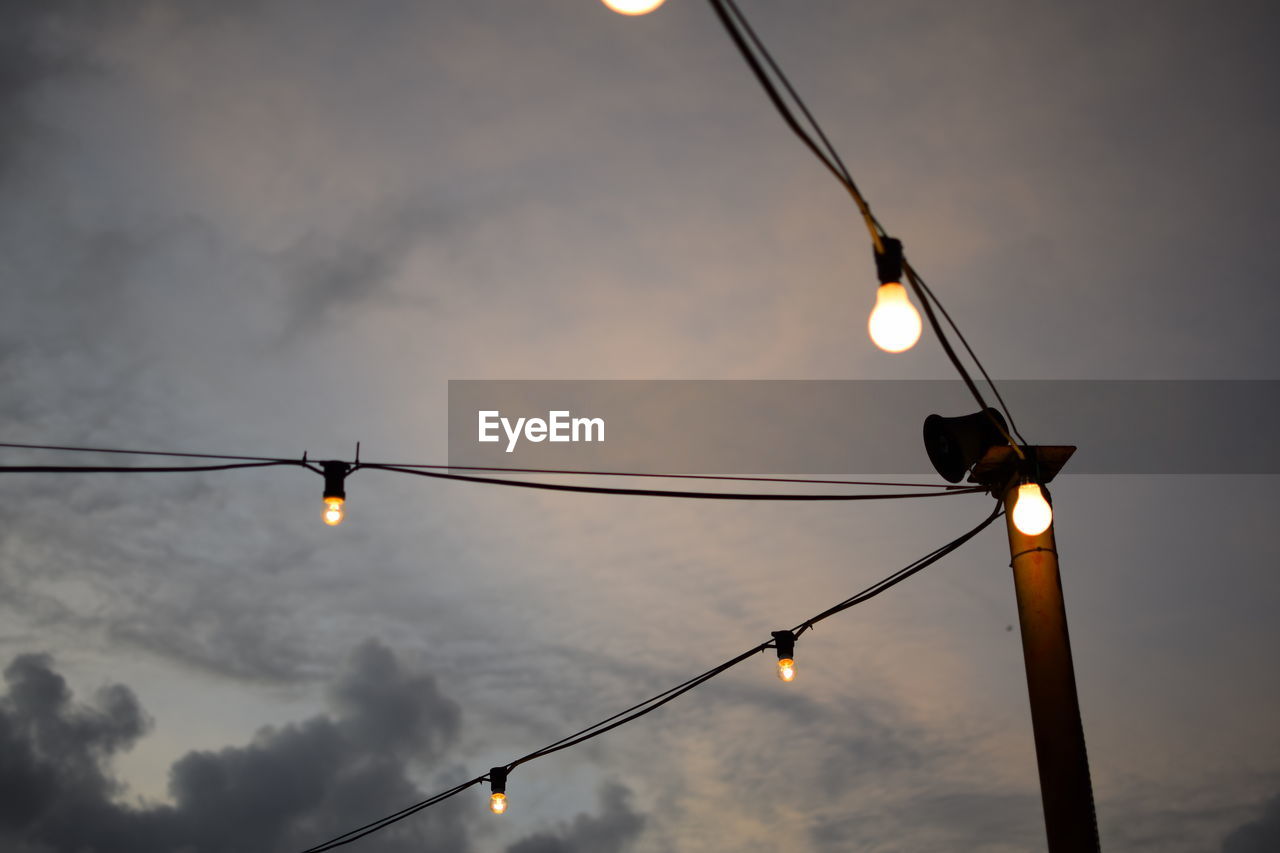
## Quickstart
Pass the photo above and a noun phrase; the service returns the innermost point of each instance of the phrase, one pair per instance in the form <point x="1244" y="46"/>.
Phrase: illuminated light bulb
<point x="785" y="643"/>
<point x="1032" y="514"/>
<point x="895" y="323"/>
<point x="787" y="670"/>
<point x="335" y="491"/>
<point x="633" y="7"/>
<point x="333" y="511"/>
<point x="498" y="785"/>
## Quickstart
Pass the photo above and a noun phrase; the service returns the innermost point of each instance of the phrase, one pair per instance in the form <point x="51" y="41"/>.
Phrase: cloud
<point x="610" y="832"/>
<point x="1258" y="836"/>
<point x="287" y="789"/>
<point x="51" y="751"/>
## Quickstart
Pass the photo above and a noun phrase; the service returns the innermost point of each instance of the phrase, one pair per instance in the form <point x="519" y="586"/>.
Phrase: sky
<point x="264" y="227"/>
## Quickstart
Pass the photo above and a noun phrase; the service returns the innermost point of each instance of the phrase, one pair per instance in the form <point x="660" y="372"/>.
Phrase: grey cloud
<point x="324" y="273"/>
<point x="290" y="787"/>
<point x="612" y="831"/>
<point x="52" y="752"/>
<point x="287" y="789"/>
<point x="1258" y="836"/>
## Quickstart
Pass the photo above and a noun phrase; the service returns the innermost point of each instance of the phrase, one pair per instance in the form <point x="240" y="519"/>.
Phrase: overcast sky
<point x="269" y="226"/>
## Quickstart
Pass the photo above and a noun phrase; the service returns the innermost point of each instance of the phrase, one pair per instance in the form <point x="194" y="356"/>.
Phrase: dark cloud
<point x="325" y="273"/>
<point x="612" y="831"/>
<point x="52" y="752"/>
<point x="1258" y="836"/>
<point x="289" y="788"/>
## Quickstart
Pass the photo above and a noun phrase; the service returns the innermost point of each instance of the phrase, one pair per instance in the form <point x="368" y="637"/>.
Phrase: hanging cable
<point x="387" y="465"/>
<point x="667" y="493"/>
<point x="175" y="454"/>
<point x="726" y="477"/>
<point x="138" y="469"/>
<point x="653" y="703"/>
<point x="928" y="292"/>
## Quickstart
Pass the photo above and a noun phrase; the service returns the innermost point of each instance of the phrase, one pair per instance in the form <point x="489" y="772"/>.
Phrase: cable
<point x="107" y="469"/>
<point x="382" y="823"/>
<point x="420" y="470"/>
<point x="668" y="476"/>
<point x="725" y="14"/>
<point x="959" y="334"/>
<point x="923" y="296"/>
<point x="141" y="452"/>
<point x="832" y="153"/>
<point x="900" y="575"/>
<point x="393" y="466"/>
<point x="666" y="493"/>
<point x="651" y="704"/>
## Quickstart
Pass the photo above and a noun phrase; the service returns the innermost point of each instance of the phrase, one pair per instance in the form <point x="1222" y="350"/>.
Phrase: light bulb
<point x="1031" y="512"/>
<point x="787" y="669"/>
<point x="498" y="802"/>
<point x="633" y="7"/>
<point x="333" y="511"/>
<point x="895" y="322"/>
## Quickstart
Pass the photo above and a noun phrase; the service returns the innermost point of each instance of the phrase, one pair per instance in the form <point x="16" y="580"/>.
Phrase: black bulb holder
<point x="498" y="780"/>
<point x="889" y="261"/>
<point x="785" y="642"/>
<point x="335" y="476"/>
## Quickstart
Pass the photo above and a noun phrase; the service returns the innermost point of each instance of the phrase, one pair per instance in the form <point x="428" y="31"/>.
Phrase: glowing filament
<point x="787" y="669"/>
<point x="497" y="803"/>
<point x="633" y="7"/>
<point x="1031" y="512"/>
<point x="333" y="511"/>
<point x="895" y="323"/>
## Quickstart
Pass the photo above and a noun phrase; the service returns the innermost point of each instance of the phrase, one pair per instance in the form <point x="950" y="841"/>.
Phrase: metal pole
<point x="1065" y="788"/>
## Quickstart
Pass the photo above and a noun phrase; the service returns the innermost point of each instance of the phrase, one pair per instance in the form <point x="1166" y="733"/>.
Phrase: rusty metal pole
<point x="1065" y="788"/>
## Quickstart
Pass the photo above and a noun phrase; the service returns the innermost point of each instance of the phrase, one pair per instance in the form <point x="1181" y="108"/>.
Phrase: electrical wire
<point x="833" y="156"/>
<point x="959" y="334"/>
<point x="420" y="471"/>
<point x="669" y="493"/>
<point x="137" y="469"/>
<point x="390" y="466"/>
<point x="673" y="476"/>
<point x="66" y="448"/>
<point x="370" y="828"/>
<point x="653" y="703"/>
<point x="900" y="575"/>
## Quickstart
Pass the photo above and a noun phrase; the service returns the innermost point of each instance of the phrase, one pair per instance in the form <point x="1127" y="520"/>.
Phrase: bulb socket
<point x="785" y="642"/>
<point x="335" y="477"/>
<point x="889" y="261"/>
<point x="498" y="780"/>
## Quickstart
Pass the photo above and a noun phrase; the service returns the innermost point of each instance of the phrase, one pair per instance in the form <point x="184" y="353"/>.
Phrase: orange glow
<point x="633" y="7"/>
<point x="333" y="511"/>
<point x="895" y="323"/>
<point x="497" y="803"/>
<point x="787" y="669"/>
<point x="1031" y="512"/>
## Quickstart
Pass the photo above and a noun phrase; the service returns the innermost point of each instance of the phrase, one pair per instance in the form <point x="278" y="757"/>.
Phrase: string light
<point x="785" y="642"/>
<point x="335" y="492"/>
<point x="498" y="789"/>
<point x="633" y="7"/>
<point x="1032" y="514"/>
<point x="894" y="323"/>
